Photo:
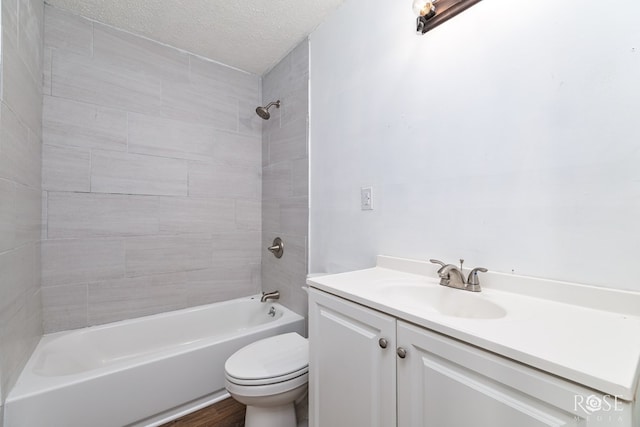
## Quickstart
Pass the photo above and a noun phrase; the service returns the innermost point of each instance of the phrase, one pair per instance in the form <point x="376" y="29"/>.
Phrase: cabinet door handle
<point x="402" y="353"/>
<point x="383" y="343"/>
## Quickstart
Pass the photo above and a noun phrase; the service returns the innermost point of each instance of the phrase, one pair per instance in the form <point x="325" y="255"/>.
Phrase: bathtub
<point x="140" y="372"/>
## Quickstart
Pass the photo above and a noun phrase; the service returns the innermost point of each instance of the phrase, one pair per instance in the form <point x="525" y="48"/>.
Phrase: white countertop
<point x="585" y="334"/>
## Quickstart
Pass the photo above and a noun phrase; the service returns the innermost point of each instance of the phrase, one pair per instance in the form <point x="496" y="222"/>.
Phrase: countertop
<point x="586" y="334"/>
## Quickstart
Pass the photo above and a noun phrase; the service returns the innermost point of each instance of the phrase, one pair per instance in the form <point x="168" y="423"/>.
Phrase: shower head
<point x="263" y="112"/>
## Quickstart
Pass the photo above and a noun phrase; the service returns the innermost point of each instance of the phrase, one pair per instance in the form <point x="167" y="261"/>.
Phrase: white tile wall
<point x="225" y="80"/>
<point x="300" y="177"/>
<point x="294" y="216"/>
<point x="192" y="215"/>
<point x="132" y="297"/>
<point x="287" y="274"/>
<point x="125" y="173"/>
<point x="217" y="180"/>
<point x="27" y="221"/>
<point x="152" y="176"/>
<point x="20" y="90"/>
<point x="194" y="103"/>
<point x="234" y="149"/>
<point x="10" y="21"/>
<point x="270" y="216"/>
<point x="88" y="80"/>
<point x="64" y="307"/>
<point x="276" y="181"/>
<point x="18" y="275"/>
<point x="136" y="55"/>
<point x="20" y="186"/>
<point x="222" y="283"/>
<point x="20" y="160"/>
<point x="160" y="136"/>
<point x="285" y="206"/>
<point x="30" y="37"/>
<point x="46" y="72"/>
<point x="69" y="32"/>
<point x="77" y="215"/>
<point x="248" y="215"/>
<point x="235" y="249"/>
<point x="66" y="169"/>
<point x="7" y="215"/>
<point x="78" y="124"/>
<point x="287" y="149"/>
<point x="167" y="254"/>
<point x="73" y="261"/>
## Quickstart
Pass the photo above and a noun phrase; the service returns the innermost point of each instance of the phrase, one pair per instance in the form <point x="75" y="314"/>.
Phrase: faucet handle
<point x="473" y="276"/>
<point x="442" y="265"/>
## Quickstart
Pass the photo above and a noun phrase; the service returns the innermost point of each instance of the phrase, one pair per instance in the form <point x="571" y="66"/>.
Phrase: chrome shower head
<point x="263" y="112"/>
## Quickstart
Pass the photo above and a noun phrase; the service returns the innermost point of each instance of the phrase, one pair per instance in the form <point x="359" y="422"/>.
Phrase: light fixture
<point x="430" y="16"/>
<point x="425" y="11"/>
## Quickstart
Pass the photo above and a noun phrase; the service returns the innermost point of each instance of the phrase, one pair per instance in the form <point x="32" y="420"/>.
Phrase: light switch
<point x="366" y="198"/>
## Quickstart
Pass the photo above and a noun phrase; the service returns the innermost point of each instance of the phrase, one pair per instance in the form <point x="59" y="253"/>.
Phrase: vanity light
<point x="425" y="11"/>
<point x="432" y="13"/>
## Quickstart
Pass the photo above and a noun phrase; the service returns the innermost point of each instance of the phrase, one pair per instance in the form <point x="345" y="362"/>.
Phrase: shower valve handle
<point x="277" y="248"/>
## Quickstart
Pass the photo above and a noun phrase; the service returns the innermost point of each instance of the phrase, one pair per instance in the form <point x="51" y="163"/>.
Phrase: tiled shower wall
<point x="285" y="170"/>
<point x="20" y="209"/>
<point x="151" y="177"/>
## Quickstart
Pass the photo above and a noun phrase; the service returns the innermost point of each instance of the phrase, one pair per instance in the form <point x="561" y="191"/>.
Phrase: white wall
<point x="507" y="136"/>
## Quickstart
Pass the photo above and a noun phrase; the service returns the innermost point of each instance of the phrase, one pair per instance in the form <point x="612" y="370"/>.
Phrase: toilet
<point x="268" y="376"/>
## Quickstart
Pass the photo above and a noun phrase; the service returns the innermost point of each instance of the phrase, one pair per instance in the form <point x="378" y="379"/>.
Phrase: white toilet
<point x="269" y="376"/>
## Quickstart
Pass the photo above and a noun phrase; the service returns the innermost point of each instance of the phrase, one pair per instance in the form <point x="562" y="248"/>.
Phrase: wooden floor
<point x="226" y="413"/>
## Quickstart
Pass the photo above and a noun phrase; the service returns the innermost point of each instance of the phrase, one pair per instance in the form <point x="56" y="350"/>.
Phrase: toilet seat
<point x="263" y="390"/>
<point x="269" y="361"/>
<point x="266" y="381"/>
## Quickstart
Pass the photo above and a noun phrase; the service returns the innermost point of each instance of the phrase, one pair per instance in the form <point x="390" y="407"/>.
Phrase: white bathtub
<point x="140" y="372"/>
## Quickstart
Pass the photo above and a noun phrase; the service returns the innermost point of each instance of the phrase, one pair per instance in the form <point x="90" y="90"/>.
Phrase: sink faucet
<point x="452" y="276"/>
<point x="269" y="295"/>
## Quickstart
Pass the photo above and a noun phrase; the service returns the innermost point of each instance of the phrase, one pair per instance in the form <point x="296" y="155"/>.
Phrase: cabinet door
<point x="352" y="381"/>
<point x="438" y="389"/>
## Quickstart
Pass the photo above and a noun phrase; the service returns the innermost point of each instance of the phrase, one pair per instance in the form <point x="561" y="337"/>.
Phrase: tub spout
<point x="269" y="295"/>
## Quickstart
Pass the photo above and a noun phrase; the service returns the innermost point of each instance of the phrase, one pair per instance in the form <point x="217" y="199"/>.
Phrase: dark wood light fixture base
<point x="445" y="10"/>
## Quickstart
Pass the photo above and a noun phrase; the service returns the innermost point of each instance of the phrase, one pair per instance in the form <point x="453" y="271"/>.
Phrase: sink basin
<point x="446" y="301"/>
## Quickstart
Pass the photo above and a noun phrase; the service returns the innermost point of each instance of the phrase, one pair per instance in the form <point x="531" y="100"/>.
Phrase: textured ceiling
<point x="252" y="35"/>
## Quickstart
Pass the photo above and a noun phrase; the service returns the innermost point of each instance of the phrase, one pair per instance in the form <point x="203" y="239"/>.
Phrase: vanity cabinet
<point x="352" y="377"/>
<point x="419" y="378"/>
<point x="445" y="383"/>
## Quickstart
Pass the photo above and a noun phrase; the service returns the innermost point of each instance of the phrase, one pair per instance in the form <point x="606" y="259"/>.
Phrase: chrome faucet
<point x="452" y="276"/>
<point x="269" y="295"/>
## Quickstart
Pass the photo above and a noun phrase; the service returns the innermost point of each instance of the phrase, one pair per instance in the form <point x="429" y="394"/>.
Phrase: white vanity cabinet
<point x="445" y="383"/>
<point x="352" y="377"/>
<point x="426" y="379"/>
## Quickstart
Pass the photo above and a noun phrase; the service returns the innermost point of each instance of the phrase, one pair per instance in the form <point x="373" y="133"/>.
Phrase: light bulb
<point x="424" y="8"/>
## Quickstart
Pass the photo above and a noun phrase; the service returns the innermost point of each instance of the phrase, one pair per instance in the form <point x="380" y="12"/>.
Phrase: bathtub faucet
<point x="266" y="296"/>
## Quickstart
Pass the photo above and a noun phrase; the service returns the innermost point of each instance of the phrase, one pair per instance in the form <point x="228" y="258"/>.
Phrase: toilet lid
<point x="271" y="357"/>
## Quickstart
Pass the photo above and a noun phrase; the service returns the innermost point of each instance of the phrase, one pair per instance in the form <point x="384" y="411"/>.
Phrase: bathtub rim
<point x="34" y="384"/>
<point x="170" y="313"/>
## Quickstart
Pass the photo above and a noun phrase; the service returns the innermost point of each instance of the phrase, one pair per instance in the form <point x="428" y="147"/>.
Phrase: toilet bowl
<point x="269" y="376"/>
